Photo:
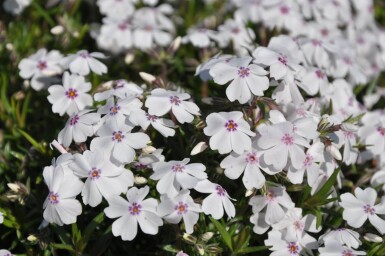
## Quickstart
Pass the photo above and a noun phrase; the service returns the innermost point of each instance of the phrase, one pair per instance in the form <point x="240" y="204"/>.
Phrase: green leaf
<point x="63" y="247"/>
<point x="242" y="239"/>
<point x="92" y="225"/>
<point x="253" y="249"/>
<point x="31" y="140"/>
<point x="223" y="232"/>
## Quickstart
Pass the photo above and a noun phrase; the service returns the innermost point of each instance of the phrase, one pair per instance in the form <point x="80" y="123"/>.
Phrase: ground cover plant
<point x="237" y="127"/>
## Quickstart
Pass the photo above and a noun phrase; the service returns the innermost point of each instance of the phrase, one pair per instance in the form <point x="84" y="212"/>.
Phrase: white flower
<point x="175" y="175"/>
<point x="285" y="15"/>
<point x="1" y="217"/>
<point x="250" y="162"/>
<point x="282" y="56"/>
<point x="82" y="62"/>
<point x="180" y="207"/>
<point x="333" y="248"/>
<point x="71" y="97"/>
<point x="296" y="226"/>
<point x="203" y="70"/>
<point x="135" y="210"/>
<point x="103" y="177"/>
<point x="121" y="9"/>
<point x="181" y="253"/>
<point x="281" y="142"/>
<point x="16" y="6"/>
<point x="277" y="202"/>
<point x="147" y="159"/>
<point x="115" y="35"/>
<point x="315" y="80"/>
<point x="40" y="67"/>
<point x="343" y="236"/>
<point x="282" y="246"/>
<point x="117" y="139"/>
<point x="246" y="79"/>
<point x="359" y="208"/>
<point x="119" y="110"/>
<point x="199" y="37"/>
<point x="78" y="127"/>
<point x="121" y="89"/>
<point x="60" y="206"/>
<point x="143" y="119"/>
<point x="162" y="101"/>
<point x="229" y="132"/>
<point x="216" y="201"/>
<point x="5" y="253"/>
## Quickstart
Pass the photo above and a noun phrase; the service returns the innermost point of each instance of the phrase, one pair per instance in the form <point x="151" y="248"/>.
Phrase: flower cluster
<point x="291" y="120"/>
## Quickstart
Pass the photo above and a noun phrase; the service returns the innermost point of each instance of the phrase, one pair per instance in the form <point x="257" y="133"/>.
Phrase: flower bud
<point x="200" y="147"/>
<point x="189" y="238"/>
<point x="207" y="236"/>
<point x="373" y="238"/>
<point x="57" y="30"/>
<point x="200" y="249"/>
<point x="147" y="77"/>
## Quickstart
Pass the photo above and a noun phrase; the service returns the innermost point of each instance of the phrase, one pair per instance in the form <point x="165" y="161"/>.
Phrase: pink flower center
<point x="270" y="196"/>
<point x="284" y="9"/>
<point x="220" y="191"/>
<point x="84" y="55"/>
<point x="300" y="112"/>
<point x="119" y="136"/>
<point x="324" y="32"/>
<point x="235" y="30"/>
<point x="316" y="42"/>
<point x="53" y="198"/>
<point x="243" y="72"/>
<point x="347" y="252"/>
<point x="41" y="64"/>
<point x="252" y="158"/>
<point x="347" y="60"/>
<point x="135" y="209"/>
<point x="298" y="225"/>
<point x="283" y="59"/>
<point x="118" y="84"/>
<point x="287" y="139"/>
<point x="175" y="100"/>
<point x="349" y="135"/>
<point x="381" y="130"/>
<point x="71" y="93"/>
<point x="320" y="74"/>
<point x="94" y="173"/>
<point x="308" y="160"/>
<point x="114" y="110"/>
<point x="123" y="26"/>
<point x="369" y="209"/>
<point x="177" y="168"/>
<point x="231" y="126"/>
<point x="293" y="248"/>
<point x="181" y="208"/>
<point x="74" y="120"/>
<point x="151" y="118"/>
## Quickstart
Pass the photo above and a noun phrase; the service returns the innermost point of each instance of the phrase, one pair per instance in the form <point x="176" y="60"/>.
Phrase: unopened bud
<point x="214" y="249"/>
<point x="333" y="150"/>
<point x="207" y="236"/>
<point x="200" y="147"/>
<point x="129" y="58"/>
<point x="14" y="187"/>
<point x="189" y="238"/>
<point x="148" y="149"/>
<point x="140" y="180"/>
<point x="147" y="77"/>
<point x="174" y="46"/>
<point x="373" y="238"/>
<point x="349" y="127"/>
<point x="32" y="238"/>
<point x="200" y="249"/>
<point x="57" y="30"/>
<point x="249" y="192"/>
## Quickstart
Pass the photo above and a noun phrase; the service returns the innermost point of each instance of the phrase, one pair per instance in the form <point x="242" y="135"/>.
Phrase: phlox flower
<point x="297" y="226"/>
<point x="343" y="236"/>
<point x="116" y="138"/>
<point x="333" y="248"/>
<point x="16" y="6"/>
<point x="181" y="253"/>
<point x="71" y="97"/>
<point x="175" y="175"/>
<point x="83" y="62"/>
<point x="120" y="9"/>
<point x="147" y="159"/>
<point x="315" y="80"/>
<point x="280" y="142"/>
<point x="40" y="67"/>
<point x="216" y="201"/>
<point x="281" y="246"/>
<point x="281" y="56"/>
<point x="284" y="15"/>
<point x="228" y="131"/>
<point x="203" y="70"/>
<point x="104" y="179"/>
<point x="252" y="10"/>
<point x="115" y="34"/>
<point x="78" y="127"/>
<point x="246" y="79"/>
<point x="378" y="178"/>
<point x="143" y="119"/>
<point x="199" y="37"/>
<point x="162" y="101"/>
<point x="251" y="163"/>
<point x="361" y="206"/>
<point x="119" y="110"/>
<point x="275" y="200"/>
<point x="182" y="206"/>
<point x="5" y="253"/>
<point x="318" y="52"/>
<point x="121" y="89"/>
<point x="60" y="206"/>
<point x="130" y="213"/>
